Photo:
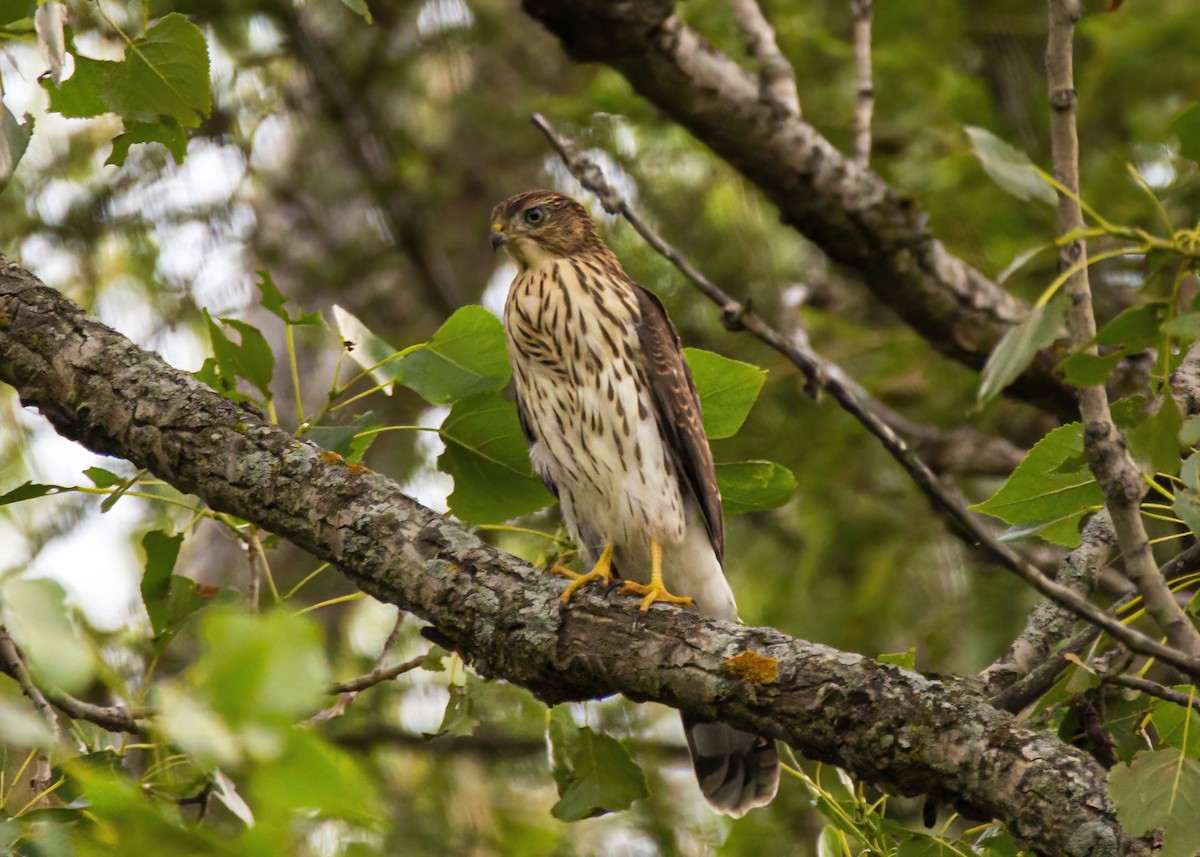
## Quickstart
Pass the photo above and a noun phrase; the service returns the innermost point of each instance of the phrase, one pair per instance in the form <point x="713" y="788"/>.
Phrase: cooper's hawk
<point x="613" y="422"/>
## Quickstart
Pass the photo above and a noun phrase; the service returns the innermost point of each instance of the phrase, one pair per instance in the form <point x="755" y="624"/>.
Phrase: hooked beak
<point x="498" y="236"/>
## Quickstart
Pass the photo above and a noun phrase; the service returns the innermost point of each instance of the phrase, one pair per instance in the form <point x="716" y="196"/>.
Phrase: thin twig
<point x="828" y="376"/>
<point x="349" y="690"/>
<point x="776" y="76"/>
<point x="864" y="97"/>
<point x="1153" y="688"/>
<point x="12" y="663"/>
<point x="1107" y="454"/>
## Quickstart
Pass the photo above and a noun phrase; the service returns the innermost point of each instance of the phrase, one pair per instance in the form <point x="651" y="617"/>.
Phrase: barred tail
<point x="737" y="771"/>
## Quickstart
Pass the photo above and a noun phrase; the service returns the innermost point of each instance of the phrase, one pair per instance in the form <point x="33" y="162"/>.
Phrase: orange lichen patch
<point x="330" y="457"/>
<point x="752" y="667"/>
<point x="356" y="469"/>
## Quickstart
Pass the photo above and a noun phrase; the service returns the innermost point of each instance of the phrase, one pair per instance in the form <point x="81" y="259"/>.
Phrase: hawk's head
<point x="543" y="224"/>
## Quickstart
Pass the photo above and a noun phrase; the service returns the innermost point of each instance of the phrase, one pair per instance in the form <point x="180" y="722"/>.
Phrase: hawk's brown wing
<point x="678" y="409"/>
<point x="531" y="439"/>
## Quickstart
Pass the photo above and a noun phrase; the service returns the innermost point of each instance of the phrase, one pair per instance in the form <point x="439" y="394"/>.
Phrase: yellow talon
<point x="601" y="571"/>
<point x="655" y="591"/>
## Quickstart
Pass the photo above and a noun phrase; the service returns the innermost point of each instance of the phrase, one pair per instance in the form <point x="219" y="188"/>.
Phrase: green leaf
<point x="1009" y="167"/>
<point x="1186" y="126"/>
<point x="367" y="349"/>
<point x="754" y="486"/>
<point x="14" y="139"/>
<point x="1087" y="370"/>
<point x="1160" y="789"/>
<point x="459" y="717"/>
<point x="727" y="390"/>
<point x="359" y="6"/>
<point x="594" y="773"/>
<point x="259" y="670"/>
<point x="342" y="438"/>
<point x="165" y="73"/>
<point x="102" y="478"/>
<point x="1052" y="484"/>
<point x="1020" y="344"/>
<point x="252" y="359"/>
<point x="311" y="775"/>
<point x="273" y="301"/>
<point x="1136" y="328"/>
<point x="1175" y="722"/>
<point x="467" y="355"/>
<point x="1156" y="440"/>
<point x="908" y="659"/>
<point x="488" y="457"/>
<point x="169" y="598"/>
<point x="81" y="96"/>
<point x="16" y="10"/>
<point x="29" y="491"/>
<point x="1187" y="508"/>
<point x="168" y="132"/>
<point x="35" y="613"/>
<point x="1186" y="327"/>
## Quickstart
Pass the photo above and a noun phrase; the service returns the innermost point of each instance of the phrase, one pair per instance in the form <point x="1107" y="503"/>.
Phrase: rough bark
<point x="854" y="216"/>
<point x="906" y="732"/>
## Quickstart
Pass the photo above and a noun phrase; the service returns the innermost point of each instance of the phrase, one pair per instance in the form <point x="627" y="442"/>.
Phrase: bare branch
<point x="12" y="663"/>
<point x="1107" y="455"/>
<point x="1153" y="688"/>
<point x="864" y="101"/>
<point x="822" y="374"/>
<point x="907" y="732"/>
<point x="112" y="718"/>
<point x="777" y="78"/>
<point x="348" y="691"/>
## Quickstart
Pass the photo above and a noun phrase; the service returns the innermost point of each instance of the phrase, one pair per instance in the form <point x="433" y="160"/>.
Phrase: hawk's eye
<point x="535" y="215"/>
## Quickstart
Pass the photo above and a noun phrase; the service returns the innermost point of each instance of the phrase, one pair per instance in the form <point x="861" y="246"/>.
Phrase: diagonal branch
<point x="855" y="217"/>
<point x="828" y="376"/>
<point x="907" y="732"/>
<point x="1107" y="454"/>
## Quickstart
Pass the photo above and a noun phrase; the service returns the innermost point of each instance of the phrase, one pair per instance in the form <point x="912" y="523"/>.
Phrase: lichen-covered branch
<point x="1109" y="459"/>
<point x="855" y="217"/>
<point x="1049" y="624"/>
<point x="906" y="732"/>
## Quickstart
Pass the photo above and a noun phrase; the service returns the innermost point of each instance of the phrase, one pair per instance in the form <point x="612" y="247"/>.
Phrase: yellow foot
<point x="654" y="591"/>
<point x="602" y="571"/>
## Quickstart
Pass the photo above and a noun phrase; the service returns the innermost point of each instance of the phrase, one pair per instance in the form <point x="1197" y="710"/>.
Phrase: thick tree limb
<point x="777" y="78"/>
<point x="906" y="732"/>
<point x="1109" y="459"/>
<point x="848" y="211"/>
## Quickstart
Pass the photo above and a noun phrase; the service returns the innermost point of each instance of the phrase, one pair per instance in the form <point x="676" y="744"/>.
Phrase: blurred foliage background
<point x="358" y="163"/>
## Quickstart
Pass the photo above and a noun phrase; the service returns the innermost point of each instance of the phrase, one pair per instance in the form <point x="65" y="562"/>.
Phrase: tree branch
<point x="1107" y="455"/>
<point x="855" y="217"/>
<point x="864" y="96"/>
<point x="906" y="732"/>
<point x="827" y="376"/>
<point x="1050" y="624"/>
<point x="777" y="78"/>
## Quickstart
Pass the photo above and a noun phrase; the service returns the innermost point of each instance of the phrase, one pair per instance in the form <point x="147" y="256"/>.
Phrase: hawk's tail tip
<point x="737" y="771"/>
